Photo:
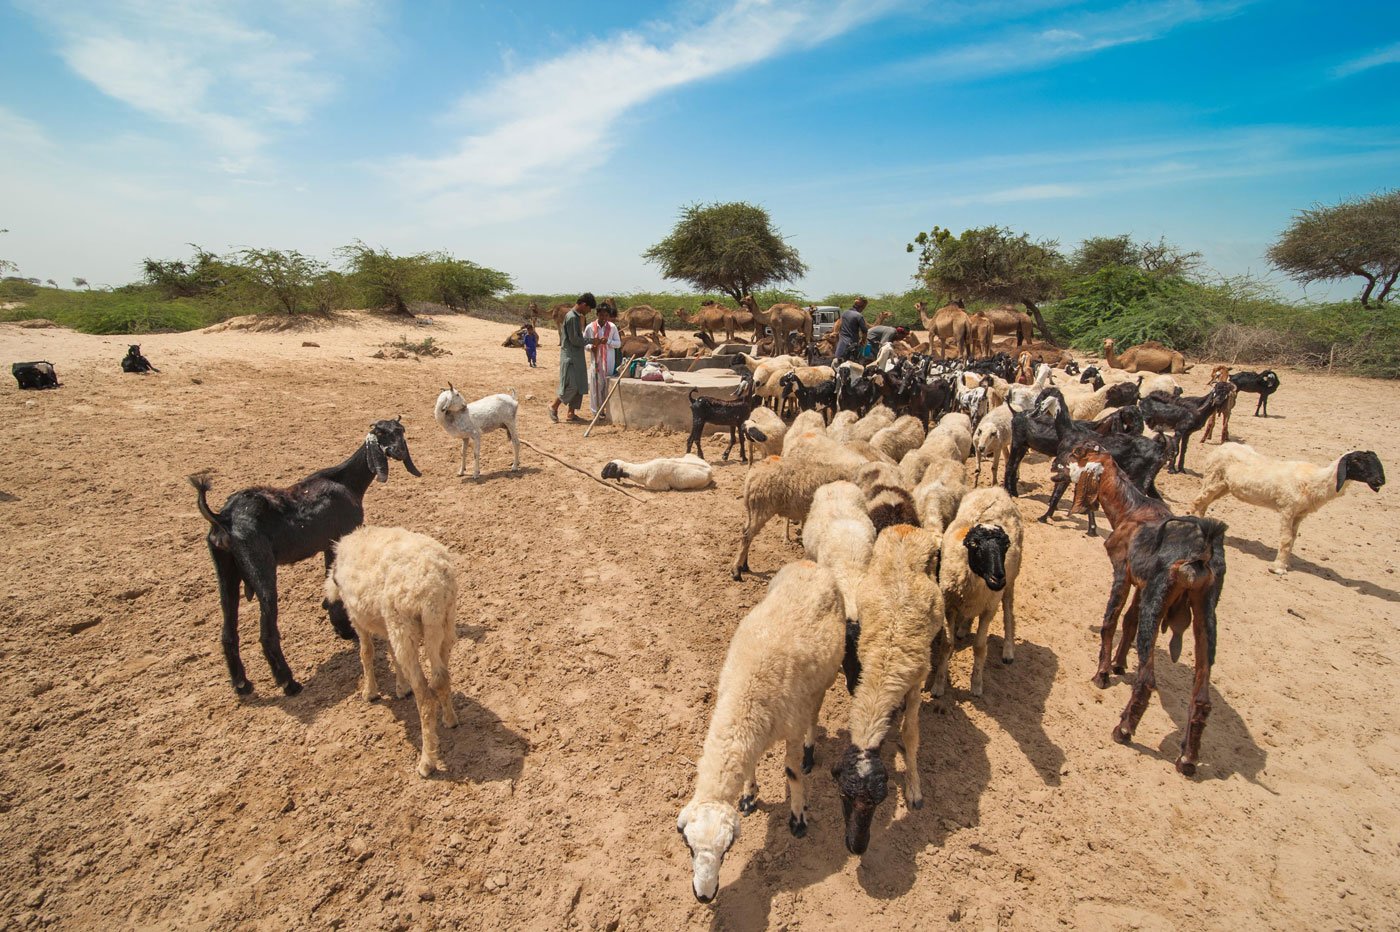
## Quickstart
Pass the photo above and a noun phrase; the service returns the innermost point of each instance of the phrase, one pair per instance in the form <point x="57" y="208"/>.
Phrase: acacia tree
<point x="730" y="247"/>
<point x="284" y="278"/>
<point x="459" y="283"/>
<point x="1356" y="238"/>
<point x="81" y="283"/>
<point x="1160" y="259"/>
<point x="387" y="280"/>
<point x="993" y="264"/>
<point x="176" y="278"/>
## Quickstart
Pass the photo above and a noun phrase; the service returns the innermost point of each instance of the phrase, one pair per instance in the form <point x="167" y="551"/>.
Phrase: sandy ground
<point x="136" y="790"/>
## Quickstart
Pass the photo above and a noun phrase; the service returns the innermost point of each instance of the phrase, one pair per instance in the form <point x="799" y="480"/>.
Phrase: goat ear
<point x="377" y="461"/>
<point x="1341" y="472"/>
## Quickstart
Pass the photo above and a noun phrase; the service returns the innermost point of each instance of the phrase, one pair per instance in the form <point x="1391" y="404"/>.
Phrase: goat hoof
<point x="1044" y="519"/>
<point x="1121" y="736"/>
<point x="797" y="826"/>
<point x="1119" y="669"/>
<point x="1007" y="660"/>
<point x="243" y="688"/>
<point x="916" y="803"/>
<point x="748" y="804"/>
<point x="737" y="576"/>
<point x="291" y="688"/>
<point x="1100" y="680"/>
<point x="1185" y="767"/>
<point x="1091" y="533"/>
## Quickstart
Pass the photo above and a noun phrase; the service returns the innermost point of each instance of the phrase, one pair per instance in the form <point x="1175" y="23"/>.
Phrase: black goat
<point x="1000" y="365"/>
<point x="858" y="394"/>
<point x="1183" y="416"/>
<point x="808" y="398"/>
<point x="1262" y="384"/>
<point x="732" y="414"/>
<point x="134" y="362"/>
<point x="261" y="527"/>
<point x="1071" y="368"/>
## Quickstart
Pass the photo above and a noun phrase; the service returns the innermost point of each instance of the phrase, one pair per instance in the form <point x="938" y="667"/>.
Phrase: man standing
<point x="573" y="368"/>
<point x="852" y="332"/>
<point x="603" y="340"/>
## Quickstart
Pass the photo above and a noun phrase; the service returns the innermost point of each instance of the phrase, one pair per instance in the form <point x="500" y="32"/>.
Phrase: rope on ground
<point x="564" y="462"/>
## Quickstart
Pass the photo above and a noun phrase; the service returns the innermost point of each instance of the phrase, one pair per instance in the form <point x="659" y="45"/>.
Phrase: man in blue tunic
<point x="852" y="332"/>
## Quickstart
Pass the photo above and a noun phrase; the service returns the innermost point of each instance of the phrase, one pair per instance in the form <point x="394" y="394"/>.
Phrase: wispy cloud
<point x="1076" y="35"/>
<point x="1390" y="55"/>
<point x="534" y="131"/>
<point x="232" y="73"/>
<point x="22" y="135"/>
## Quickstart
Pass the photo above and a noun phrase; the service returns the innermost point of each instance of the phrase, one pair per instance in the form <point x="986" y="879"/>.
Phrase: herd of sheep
<point x="905" y="561"/>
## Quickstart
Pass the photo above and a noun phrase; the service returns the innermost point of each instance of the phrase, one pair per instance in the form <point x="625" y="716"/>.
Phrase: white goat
<point x="677" y="473"/>
<point x="401" y="586"/>
<point x="1293" y="489"/>
<point x="783" y="658"/>
<point x="470" y="421"/>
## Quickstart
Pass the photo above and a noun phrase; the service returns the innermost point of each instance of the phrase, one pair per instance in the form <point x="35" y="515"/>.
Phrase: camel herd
<point x="958" y="334"/>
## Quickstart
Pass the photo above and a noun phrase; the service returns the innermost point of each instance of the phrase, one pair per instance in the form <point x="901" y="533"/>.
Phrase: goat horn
<point x="450" y="388"/>
<point x="398" y="419"/>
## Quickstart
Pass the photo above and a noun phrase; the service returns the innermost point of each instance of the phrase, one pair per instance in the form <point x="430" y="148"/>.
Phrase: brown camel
<point x="648" y="344"/>
<point x="711" y="319"/>
<point x="1149" y="356"/>
<point x="782" y="318"/>
<point x="642" y="315"/>
<point x="882" y="318"/>
<point x="532" y="314"/>
<point x="1007" y="320"/>
<point x="949" y="324"/>
<point x="557" y="313"/>
<point x="979" y="335"/>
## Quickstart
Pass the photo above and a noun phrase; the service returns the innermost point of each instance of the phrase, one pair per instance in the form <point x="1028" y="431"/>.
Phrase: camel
<point x="950" y="324"/>
<point x="1007" y="320"/>
<point x="685" y="345"/>
<point x="532" y="314"/>
<point x="883" y="318"/>
<point x="642" y="315"/>
<point x="645" y="345"/>
<point x="783" y="319"/>
<point x="709" y="318"/>
<point x="1149" y="356"/>
<point x="979" y="335"/>
<point x="557" y="313"/>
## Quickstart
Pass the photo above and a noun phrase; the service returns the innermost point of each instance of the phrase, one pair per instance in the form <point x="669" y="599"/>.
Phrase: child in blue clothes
<point x="531" y="339"/>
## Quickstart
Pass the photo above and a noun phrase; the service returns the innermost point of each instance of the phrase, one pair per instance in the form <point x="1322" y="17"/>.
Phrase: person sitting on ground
<point x="573" y="367"/>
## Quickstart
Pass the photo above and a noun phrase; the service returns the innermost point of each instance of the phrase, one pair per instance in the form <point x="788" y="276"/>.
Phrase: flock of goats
<point x="902" y="556"/>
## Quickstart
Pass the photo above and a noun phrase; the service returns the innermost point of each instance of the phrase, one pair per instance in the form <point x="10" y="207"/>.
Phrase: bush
<point x="124" y="311"/>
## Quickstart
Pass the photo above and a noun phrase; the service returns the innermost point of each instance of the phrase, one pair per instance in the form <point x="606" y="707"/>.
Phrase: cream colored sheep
<point x="805" y="422"/>
<point x="981" y="558"/>
<point x="886" y="498"/>
<point x="782" y="487"/>
<point x="678" y="473"/>
<point x="839" y="535"/>
<point x="876" y="418"/>
<point x="937" y="497"/>
<point x="992" y="438"/>
<point x="900" y="605"/>
<point x="958" y="427"/>
<point x="841" y="424"/>
<point x="1293" y="489"/>
<point x="401" y="586"/>
<point x="783" y="658"/>
<point x="901" y="436"/>
<point x="766" y="430"/>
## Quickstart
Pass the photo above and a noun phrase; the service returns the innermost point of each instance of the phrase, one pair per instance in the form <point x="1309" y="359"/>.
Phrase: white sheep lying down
<point x="401" y="586"/>
<point x="676" y="473"/>
<point x="783" y="658"/>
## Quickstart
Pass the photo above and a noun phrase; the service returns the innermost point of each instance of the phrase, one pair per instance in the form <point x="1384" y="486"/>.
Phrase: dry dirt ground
<point x="137" y="791"/>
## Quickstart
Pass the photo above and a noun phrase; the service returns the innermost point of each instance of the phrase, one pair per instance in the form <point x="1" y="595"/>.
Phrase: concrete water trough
<point x="637" y="405"/>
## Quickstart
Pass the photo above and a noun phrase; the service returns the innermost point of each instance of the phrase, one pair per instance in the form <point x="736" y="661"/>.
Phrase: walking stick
<point x="599" y="413"/>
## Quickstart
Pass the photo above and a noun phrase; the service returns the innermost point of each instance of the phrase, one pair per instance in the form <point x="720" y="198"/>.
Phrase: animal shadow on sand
<point x="1297" y="564"/>
<point x="7" y="497"/>
<point x="481" y="749"/>
<point x="1227" y="747"/>
<point x="503" y="473"/>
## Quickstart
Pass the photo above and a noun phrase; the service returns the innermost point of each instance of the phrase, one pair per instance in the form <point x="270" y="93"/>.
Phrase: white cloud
<point x="1025" y="48"/>
<point x="1028" y="192"/>
<point x="231" y="73"/>
<point x="545" y="126"/>
<point x="1390" y="55"/>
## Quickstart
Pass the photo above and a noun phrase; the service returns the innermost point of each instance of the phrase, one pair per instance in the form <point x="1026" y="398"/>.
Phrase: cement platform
<point x="637" y="405"/>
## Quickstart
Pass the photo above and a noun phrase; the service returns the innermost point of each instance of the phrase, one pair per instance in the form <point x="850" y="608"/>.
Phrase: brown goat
<point x="1221" y="374"/>
<point x="1177" y="567"/>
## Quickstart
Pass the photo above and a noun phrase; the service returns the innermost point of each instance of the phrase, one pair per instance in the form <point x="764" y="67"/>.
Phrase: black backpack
<point x="35" y="374"/>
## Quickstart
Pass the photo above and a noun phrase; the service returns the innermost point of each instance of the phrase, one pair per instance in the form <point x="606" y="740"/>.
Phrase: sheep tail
<point x="201" y="485"/>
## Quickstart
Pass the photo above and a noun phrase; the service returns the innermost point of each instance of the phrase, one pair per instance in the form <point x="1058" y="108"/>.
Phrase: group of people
<point x="587" y="358"/>
<point x="856" y="339"/>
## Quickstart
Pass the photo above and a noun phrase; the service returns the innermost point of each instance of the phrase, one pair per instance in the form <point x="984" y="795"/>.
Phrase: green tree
<point x="459" y="283"/>
<point x="205" y="274"/>
<point x="1161" y="258"/>
<point x="387" y="280"/>
<point x="992" y="264"/>
<point x="730" y="247"/>
<point x="1356" y="238"/>
<point x="81" y="283"/>
<point x="283" y="279"/>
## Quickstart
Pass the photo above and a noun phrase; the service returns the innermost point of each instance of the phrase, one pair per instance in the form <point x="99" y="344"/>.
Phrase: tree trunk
<point x="1389" y="283"/>
<point x="1366" y="295"/>
<point x="1039" y="321"/>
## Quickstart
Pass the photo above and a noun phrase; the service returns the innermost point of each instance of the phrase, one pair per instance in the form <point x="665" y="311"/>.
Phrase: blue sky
<point x="556" y="141"/>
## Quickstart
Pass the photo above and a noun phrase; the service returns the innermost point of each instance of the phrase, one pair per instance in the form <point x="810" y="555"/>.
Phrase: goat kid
<point x="470" y="421"/>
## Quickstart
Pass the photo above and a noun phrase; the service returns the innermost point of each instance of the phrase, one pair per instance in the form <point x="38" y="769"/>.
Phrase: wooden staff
<point x="599" y="413"/>
<point x="563" y="462"/>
